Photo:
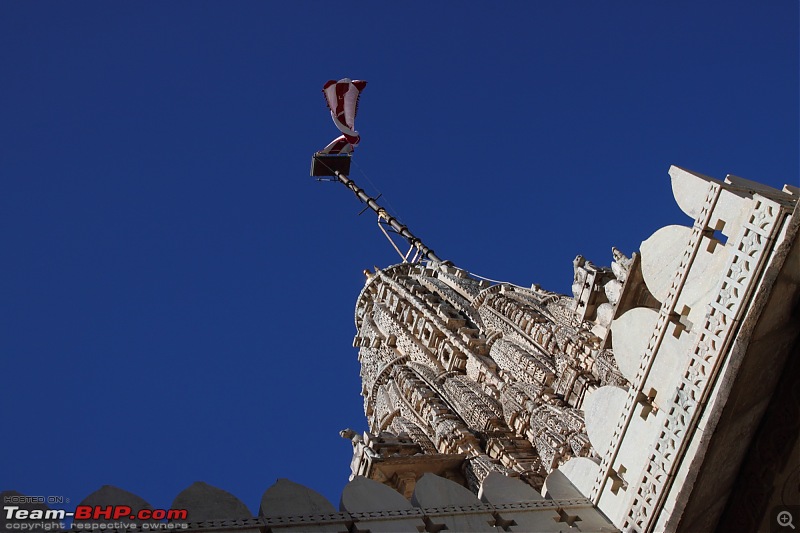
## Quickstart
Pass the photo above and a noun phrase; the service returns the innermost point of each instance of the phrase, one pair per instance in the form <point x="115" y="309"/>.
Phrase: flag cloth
<point x="338" y="146"/>
<point x="342" y="99"/>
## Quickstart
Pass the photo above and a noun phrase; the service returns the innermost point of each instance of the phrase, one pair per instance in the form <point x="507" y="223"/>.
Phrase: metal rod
<point x="401" y="229"/>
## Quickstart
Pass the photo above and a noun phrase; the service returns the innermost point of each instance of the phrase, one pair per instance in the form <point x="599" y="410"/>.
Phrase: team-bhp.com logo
<point x="116" y="512"/>
<point x="95" y="517"/>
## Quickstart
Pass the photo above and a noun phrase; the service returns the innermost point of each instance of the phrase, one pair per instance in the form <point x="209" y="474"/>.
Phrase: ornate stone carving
<point x="461" y="366"/>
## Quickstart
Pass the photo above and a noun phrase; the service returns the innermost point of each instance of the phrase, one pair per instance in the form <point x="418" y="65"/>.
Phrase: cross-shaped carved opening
<point x="718" y="235"/>
<point x="564" y="516"/>
<point x="431" y="527"/>
<point x="617" y="481"/>
<point x="715" y="236"/>
<point x="647" y="402"/>
<point x="682" y="322"/>
<point x="502" y="523"/>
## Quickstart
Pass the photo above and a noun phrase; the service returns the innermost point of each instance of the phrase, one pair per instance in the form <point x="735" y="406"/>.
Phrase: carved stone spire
<point x="475" y="377"/>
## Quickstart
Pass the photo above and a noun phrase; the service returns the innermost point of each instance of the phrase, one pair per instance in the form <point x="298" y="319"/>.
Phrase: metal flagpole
<point x="395" y="224"/>
<point x="334" y="160"/>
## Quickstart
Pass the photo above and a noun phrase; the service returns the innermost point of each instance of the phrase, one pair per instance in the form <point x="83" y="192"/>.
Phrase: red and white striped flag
<point x="342" y="99"/>
<point x="338" y="146"/>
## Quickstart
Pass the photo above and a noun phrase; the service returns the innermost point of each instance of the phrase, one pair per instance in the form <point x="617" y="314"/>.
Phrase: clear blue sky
<point x="177" y="292"/>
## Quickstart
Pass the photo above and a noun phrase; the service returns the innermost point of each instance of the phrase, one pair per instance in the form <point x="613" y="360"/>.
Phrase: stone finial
<point x="111" y="495"/>
<point x="436" y="491"/>
<point x="375" y="500"/>
<point x="600" y="406"/>
<point x="363" y="495"/>
<point x="287" y="498"/>
<point x="205" y="502"/>
<point x="498" y="488"/>
<point x="558" y="486"/>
